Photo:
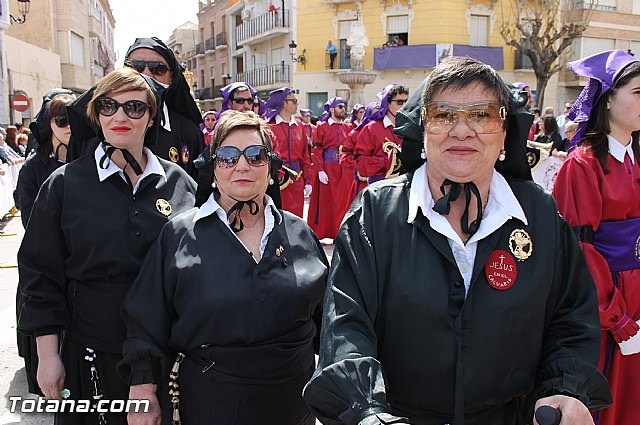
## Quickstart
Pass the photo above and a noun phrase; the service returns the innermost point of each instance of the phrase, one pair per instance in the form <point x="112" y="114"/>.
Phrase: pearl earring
<point x="503" y="155"/>
<point x="423" y="154"/>
<point x="213" y="185"/>
<point x="271" y="182"/>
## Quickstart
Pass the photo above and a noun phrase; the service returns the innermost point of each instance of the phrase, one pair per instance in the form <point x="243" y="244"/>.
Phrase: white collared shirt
<point x="618" y="150"/>
<point x="153" y="167"/>
<point x="211" y="206"/>
<point x="331" y="121"/>
<point x="165" y="122"/>
<point x="387" y="122"/>
<point x="501" y="206"/>
<point x="293" y="121"/>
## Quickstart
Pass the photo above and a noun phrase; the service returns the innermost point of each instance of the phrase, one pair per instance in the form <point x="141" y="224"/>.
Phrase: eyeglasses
<point x="241" y="100"/>
<point x="134" y="109"/>
<point x="295" y="101"/>
<point x="156" y="68"/>
<point x="228" y="156"/>
<point x="399" y="102"/>
<point x="482" y="117"/>
<point x="61" y="121"/>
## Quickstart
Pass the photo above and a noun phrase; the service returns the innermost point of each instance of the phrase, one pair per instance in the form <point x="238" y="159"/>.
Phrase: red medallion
<point x="501" y="270"/>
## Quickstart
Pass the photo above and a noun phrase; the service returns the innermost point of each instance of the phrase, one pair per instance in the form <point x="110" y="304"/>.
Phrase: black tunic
<point x="399" y="336"/>
<point x="200" y="292"/>
<point x="32" y="174"/>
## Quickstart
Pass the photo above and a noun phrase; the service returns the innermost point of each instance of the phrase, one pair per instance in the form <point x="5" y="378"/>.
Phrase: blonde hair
<point x="120" y="81"/>
<point x="571" y="126"/>
<point x="231" y="120"/>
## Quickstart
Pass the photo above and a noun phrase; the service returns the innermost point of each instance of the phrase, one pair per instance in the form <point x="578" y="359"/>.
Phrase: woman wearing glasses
<point x="51" y="152"/>
<point x="239" y="320"/>
<point x="376" y="144"/>
<point x="457" y="293"/>
<point x="92" y="224"/>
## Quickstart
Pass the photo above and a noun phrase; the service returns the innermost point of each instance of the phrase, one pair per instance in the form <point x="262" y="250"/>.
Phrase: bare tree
<point x="542" y="30"/>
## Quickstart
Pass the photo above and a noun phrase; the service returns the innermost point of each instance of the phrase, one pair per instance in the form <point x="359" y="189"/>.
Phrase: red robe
<point x="347" y="159"/>
<point x="290" y="143"/>
<point x="371" y="160"/>
<point x="328" y="202"/>
<point x="585" y="195"/>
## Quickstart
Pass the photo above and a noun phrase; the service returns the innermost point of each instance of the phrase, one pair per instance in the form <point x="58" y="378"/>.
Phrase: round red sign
<point x="501" y="270"/>
<point x="20" y="102"/>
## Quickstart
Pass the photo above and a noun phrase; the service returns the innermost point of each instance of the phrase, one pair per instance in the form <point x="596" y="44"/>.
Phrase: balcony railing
<point x="204" y="93"/>
<point x="261" y="24"/>
<point x="424" y="56"/>
<point x="221" y="39"/>
<point x="216" y="91"/>
<point x="199" y="49"/>
<point x="208" y="44"/>
<point x="265" y="76"/>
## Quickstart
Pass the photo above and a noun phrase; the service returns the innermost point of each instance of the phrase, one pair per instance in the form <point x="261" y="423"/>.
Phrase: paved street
<point x="12" y="379"/>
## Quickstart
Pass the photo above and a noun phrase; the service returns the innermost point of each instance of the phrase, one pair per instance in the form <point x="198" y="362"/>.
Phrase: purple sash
<point x="294" y="165"/>
<point x="619" y="243"/>
<point x="373" y="179"/>
<point x="331" y="154"/>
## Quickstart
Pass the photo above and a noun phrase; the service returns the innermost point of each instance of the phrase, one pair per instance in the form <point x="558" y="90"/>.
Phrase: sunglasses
<point x="341" y="106"/>
<point x="295" y="101"/>
<point x="399" y="102"/>
<point x="61" y="121"/>
<point x="482" y="117"/>
<point x="228" y="156"/>
<point x="156" y="68"/>
<point x="241" y="100"/>
<point x="134" y="109"/>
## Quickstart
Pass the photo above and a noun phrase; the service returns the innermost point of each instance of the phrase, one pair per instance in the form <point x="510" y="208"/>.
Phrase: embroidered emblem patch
<point x="501" y="270"/>
<point x="520" y="244"/>
<point x="173" y="154"/>
<point x="164" y="207"/>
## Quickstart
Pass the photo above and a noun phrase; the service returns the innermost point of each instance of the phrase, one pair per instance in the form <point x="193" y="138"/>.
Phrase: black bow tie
<point x="443" y="205"/>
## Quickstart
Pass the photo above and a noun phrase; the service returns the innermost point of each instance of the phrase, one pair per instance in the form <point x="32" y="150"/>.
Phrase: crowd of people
<point x="167" y="256"/>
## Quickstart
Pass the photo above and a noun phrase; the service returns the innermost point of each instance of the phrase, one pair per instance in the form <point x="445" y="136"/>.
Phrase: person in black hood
<point x="179" y="138"/>
<point x="457" y="294"/>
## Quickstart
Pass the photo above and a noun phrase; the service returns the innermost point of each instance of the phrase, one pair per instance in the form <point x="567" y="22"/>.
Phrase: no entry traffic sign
<point x="20" y="102"/>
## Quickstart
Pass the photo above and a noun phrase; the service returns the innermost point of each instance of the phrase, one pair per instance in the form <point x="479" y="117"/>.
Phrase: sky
<point x="148" y="18"/>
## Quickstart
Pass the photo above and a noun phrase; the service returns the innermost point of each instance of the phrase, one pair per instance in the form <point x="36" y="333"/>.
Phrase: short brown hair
<point x="231" y="120"/>
<point x="58" y="105"/>
<point x="120" y="81"/>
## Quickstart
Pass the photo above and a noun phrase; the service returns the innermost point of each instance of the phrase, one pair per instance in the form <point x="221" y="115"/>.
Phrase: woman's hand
<point x="50" y="374"/>
<point x="574" y="412"/>
<point x="153" y="415"/>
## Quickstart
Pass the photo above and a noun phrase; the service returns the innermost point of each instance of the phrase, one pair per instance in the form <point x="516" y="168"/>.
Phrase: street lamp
<point x="23" y="8"/>
<point x="302" y="59"/>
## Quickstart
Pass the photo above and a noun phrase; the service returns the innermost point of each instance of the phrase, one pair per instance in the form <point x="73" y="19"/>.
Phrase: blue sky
<point x="148" y="18"/>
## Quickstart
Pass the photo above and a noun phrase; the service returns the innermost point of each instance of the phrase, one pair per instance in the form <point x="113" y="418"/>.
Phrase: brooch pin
<point x="164" y="207"/>
<point x="279" y="251"/>
<point x="174" y="155"/>
<point x="520" y="244"/>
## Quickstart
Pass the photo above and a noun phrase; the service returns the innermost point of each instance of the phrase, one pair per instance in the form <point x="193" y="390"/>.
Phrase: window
<point x="77" y="49"/>
<point x="344" y="51"/>
<point x="609" y="5"/>
<point x="316" y="102"/>
<point x="591" y="46"/>
<point x="479" y="30"/>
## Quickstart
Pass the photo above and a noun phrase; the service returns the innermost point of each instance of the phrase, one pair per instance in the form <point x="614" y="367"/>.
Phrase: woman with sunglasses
<point x="457" y="294"/>
<point x="179" y="139"/>
<point x="92" y="223"/>
<point x="376" y="144"/>
<point x="50" y="153"/>
<point x="239" y="320"/>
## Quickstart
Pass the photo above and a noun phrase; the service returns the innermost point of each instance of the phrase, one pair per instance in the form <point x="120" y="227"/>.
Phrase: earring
<point x="503" y="155"/>
<point x="423" y="154"/>
<point x="214" y="185"/>
<point x="271" y="182"/>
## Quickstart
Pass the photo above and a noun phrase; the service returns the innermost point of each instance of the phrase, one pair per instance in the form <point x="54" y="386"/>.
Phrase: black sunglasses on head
<point x="134" y="109"/>
<point x="228" y="156"/>
<point x="156" y="68"/>
<point x="241" y="100"/>
<point x="61" y="121"/>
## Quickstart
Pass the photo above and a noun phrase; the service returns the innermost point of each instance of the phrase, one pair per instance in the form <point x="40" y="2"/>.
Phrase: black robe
<point x="257" y="322"/>
<point x="400" y="338"/>
<point x="32" y="174"/>
<point x="82" y="249"/>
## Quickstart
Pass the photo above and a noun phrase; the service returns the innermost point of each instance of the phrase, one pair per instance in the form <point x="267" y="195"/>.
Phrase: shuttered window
<point x="397" y="24"/>
<point x="479" y="30"/>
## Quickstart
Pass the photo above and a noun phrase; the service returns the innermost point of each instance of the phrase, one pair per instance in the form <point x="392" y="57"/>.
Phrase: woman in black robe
<point x="233" y="291"/>
<point x="92" y="223"/>
<point x="457" y="294"/>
